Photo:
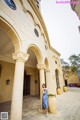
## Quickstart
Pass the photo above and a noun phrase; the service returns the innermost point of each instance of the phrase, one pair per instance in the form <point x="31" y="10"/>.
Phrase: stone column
<point x="49" y="81"/>
<point x="51" y="98"/>
<point x="17" y="94"/>
<point x="41" y="68"/>
<point x="47" y="78"/>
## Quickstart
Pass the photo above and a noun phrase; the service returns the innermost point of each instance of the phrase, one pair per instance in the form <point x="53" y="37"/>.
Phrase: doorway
<point x="66" y="83"/>
<point x="26" y="90"/>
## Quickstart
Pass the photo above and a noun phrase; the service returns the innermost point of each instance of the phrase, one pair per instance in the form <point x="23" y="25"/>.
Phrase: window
<point x="56" y="62"/>
<point x="36" y="32"/>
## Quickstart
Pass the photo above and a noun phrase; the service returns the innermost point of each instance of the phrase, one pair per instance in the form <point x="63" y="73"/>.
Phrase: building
<point x="75" y="5"/>
<point x="70" y="78"/>
<point x="27" y="59"/>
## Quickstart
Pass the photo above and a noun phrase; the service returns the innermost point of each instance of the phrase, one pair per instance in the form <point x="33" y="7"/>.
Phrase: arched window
<point x="57" y="78"/>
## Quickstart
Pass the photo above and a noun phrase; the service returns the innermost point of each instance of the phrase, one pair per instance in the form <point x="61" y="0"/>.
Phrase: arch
<point x="8" y="28"/>
<point x="31" y="16"/>
<point x="47" y="63"/>
<point x="37" y="25"/>
<point x="57" y="78"/>
<point x="43" y="36"/>
<point x="37" y="52"/>
<point x="26" y="10"/>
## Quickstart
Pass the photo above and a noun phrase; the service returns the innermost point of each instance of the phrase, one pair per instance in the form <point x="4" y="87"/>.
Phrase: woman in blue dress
<point x="45" y="98"/>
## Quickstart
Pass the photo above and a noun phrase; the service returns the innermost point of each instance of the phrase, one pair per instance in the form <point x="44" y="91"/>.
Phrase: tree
<point x="64" y="64"/>
<point x="65" y="68"/>
<point x="75" y="60"/>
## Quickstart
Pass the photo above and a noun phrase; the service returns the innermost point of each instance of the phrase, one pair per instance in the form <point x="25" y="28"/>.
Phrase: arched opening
<point x="57" y="78"/>
<point x="9" y="44"/>
<point x="31" y="74"/>
<point x="11" y="32"/>
<point x="32" y="80"/>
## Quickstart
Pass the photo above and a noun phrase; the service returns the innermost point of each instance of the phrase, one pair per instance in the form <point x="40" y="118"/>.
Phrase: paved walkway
<point x="68" y="107"/>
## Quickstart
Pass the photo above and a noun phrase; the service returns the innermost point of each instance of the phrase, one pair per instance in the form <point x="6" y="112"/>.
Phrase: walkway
<point x="68" y="107"/>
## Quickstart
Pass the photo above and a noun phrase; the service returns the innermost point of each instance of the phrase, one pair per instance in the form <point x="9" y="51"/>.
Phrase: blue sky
<point x="62" y="26"/>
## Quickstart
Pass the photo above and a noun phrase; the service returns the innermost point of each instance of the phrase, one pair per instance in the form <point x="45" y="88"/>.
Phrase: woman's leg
<point x="46" y="110"/>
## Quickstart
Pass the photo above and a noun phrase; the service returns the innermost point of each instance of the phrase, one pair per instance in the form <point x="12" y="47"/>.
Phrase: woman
<point x="45" y="98"/>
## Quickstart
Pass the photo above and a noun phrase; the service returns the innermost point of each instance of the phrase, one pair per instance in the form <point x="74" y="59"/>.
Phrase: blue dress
<point x="45" y="100"/>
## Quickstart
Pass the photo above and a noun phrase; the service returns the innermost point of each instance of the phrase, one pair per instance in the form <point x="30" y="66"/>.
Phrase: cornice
<point x="55" y="51"/>
<point x="37" y="12"/>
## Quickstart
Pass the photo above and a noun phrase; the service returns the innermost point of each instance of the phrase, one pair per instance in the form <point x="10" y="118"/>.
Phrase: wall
<point x="24" y="22"/>
<point x="7" y="73"/>
<point x="52" y="57"/>
<point x="71" y="77"/>
<point x="34" y="76"/>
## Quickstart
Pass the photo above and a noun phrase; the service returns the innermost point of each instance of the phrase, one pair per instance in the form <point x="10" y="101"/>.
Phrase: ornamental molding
<point x="20" y="56"/>
<point x="41" y="66"/>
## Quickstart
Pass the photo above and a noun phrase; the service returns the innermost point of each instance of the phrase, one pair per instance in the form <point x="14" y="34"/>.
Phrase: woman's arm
<point x="44" y="90"/>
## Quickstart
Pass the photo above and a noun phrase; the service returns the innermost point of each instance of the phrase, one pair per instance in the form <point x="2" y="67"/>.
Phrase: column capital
<point x="20" y="56"/>
<point x="47" y="70"/>
<point x="41" y="66"/>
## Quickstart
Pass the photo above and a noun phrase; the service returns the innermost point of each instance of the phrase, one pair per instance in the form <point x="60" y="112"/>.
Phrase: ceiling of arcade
<point x="6" y="45"/>
<point x="7" y="48"/>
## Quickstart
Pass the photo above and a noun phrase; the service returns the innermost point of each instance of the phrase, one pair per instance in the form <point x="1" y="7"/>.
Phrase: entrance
<point x="66" y="83"/>
<point x="26" y="90"/>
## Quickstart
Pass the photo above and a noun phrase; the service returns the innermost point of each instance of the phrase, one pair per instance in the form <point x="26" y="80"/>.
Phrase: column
<point x="47" y="78"/>
<point x="51" y="98"/>
<point x="41" y="68"/>
<point x="17" y="94"/>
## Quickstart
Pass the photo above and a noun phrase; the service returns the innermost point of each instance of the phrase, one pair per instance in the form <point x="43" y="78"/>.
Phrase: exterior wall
<point x="33" y="72"/>
<point x="25" y="31"/>
<point x="7" y="73"/>
<point x="24" y="19"/>
<point x="52" y="57"/>
<point x="71" y="77"/>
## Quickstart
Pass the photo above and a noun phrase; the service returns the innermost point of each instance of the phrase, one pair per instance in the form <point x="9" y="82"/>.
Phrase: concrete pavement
<point x="68" y="107"/>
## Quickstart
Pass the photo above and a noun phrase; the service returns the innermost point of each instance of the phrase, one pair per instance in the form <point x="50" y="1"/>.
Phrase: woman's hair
<point x="43" y="84"/>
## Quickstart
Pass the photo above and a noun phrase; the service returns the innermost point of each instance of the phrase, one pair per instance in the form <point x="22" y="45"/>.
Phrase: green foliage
<point x="75" y="60"/>
<point x="73" y="69"/>
<point x="75" y="63"/>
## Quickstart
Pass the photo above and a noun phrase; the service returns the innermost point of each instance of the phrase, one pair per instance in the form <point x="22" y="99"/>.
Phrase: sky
<point x="62" y="26"/>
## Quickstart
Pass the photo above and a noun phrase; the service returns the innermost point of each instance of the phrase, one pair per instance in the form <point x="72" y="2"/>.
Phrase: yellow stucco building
<point x="70" y="77"/>
<point x="26" y="57"/>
